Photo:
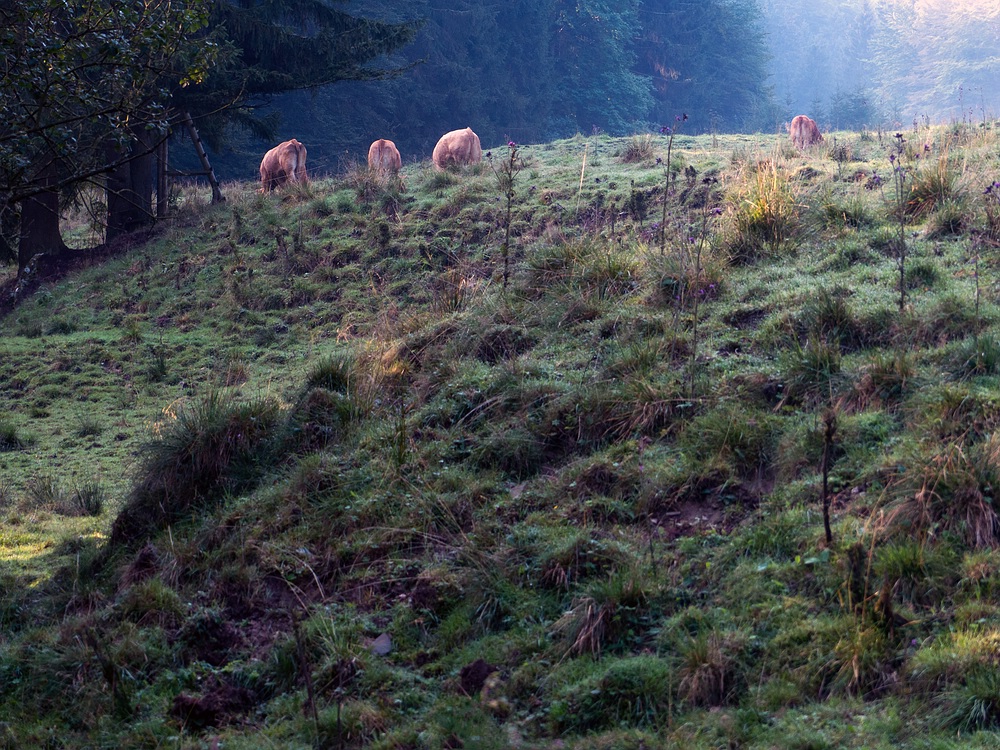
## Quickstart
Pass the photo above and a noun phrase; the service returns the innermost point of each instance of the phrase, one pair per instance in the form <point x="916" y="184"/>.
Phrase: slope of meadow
<point x="340" y="467"/>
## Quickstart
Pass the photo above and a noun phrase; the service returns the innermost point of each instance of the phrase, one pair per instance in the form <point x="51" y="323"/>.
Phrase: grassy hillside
<point x="457" y="466"/>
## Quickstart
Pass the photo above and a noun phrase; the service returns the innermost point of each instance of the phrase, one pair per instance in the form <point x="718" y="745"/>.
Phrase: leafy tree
<point x="91" y="88"/>
<point x="82" y="79"/>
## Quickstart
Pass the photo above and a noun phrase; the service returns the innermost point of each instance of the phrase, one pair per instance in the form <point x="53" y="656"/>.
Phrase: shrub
<point x="732" y="439"/>
<point x="862" y="661"/>
<point x="604" y="614"/>
<point x="980" y="573"/>
<point x="827" y="315"/>
<point x="972" y="705"/>
<point x="949" y="219"/>
<point x="677" y="281"/>
<point x="514" y="450"/>
<point x="319" y="419"/>
<point x="884" y="380"/>
<point x="88" y="426"/>
<point x="955" y="411"/>
<point x="342" y="387"/>
<point x="780" y="536"/>
<point x="708" y="672"/>
<point x="592" y="268"/>
<point x="152" y="602"/>
<point x="853" y="212"/>
<point x="921" y="274"/>
<point x="45" y="492"/>
<point x="215" y="445"/>
<point x="958" y="672"/>
<point x="578" y="557"/>
<point x="914" y="572"/>
<point x="7" y="493"/>
<point x="949" y="317"/>
<point x="375" y="186"/>
<point x="90" y="497"/>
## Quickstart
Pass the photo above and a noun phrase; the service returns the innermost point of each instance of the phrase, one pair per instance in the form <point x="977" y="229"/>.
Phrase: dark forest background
<point x="532" y="71"/>
<point x="537" y="70"/>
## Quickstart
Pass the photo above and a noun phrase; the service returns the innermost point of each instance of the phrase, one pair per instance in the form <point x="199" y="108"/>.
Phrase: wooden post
<point x="217" y="196"/>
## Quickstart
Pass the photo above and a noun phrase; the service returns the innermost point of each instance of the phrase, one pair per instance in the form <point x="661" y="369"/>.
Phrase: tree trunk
<point x="118" y="200"/>
<point x="9" y="223"/>
<point x="143" y="174"/>
<point x="40" y="222"/>
<point x="130" y="188"/>
<point x="162" y="181"/>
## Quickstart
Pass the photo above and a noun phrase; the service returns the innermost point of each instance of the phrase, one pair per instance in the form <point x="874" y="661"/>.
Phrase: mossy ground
<point x="583" y="507"/>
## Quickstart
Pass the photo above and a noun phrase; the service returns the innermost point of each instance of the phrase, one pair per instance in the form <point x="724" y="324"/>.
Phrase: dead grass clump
<point x="604" y="613"/>
<point x="883" y="381"/>
<point x="709" y="670"/>
<point x="636" y="149"/>
<point x="949" y="488"/>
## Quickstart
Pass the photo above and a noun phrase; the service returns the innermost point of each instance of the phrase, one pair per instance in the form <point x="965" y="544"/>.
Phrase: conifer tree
<point x="706" y="58"/>
<point x="278" y="46"/>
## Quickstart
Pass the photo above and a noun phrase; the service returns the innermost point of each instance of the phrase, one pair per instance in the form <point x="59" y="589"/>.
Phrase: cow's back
<point x="384" y="156"/>
<point x="286" y="162"/>
<point x="804" y="131"/>
<point x="457" y="147"/>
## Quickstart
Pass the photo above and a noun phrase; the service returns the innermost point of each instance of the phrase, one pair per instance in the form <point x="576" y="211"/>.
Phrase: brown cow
<point x="383" y="156"/>
<point x="457" y="147"/>
<point x="804" y="131"/>
<point x="286" y="162"/>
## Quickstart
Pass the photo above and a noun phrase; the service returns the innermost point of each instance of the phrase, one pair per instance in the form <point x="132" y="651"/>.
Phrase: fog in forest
<point x="895" y="61"/>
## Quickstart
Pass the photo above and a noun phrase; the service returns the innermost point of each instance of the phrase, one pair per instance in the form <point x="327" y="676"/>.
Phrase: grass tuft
<point x="637" y="148"/>
<point x="950" y="488"/>
<point x="765" y="215"/>
<point x="198" y="452"/>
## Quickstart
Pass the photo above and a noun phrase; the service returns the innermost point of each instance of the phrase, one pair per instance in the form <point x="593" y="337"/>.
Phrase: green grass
<point x="584" y="508"/>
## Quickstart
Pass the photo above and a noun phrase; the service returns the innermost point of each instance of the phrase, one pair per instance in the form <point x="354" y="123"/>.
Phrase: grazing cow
<point x="383" y="156"/>
<point x="457" y="147"/>
<point x="286" y="162"/>
<point x="804" y="131"/>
